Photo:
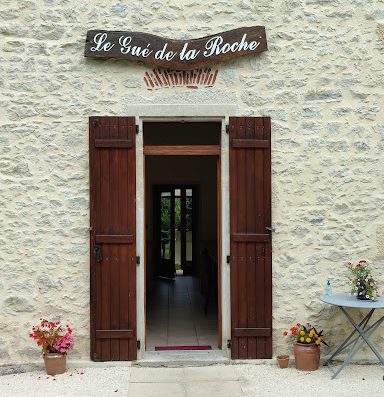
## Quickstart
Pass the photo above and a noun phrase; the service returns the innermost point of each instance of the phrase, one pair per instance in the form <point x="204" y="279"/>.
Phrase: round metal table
<point x="343" y="301"/>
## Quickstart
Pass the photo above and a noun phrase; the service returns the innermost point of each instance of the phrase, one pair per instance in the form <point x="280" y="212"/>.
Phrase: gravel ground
<point x="75" y="382"/>
<point x="354" y="380"/>
<point x="250" y="380"/>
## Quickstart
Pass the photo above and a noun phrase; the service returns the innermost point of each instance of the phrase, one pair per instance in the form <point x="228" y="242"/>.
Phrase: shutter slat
<point x="241" y="332"/>
<point x="114" y="239"/>
<point x="113" y="143"/>
<point x="114" y="333"/>
<point x="250" y="144"/>
<point x="250" y="237"/>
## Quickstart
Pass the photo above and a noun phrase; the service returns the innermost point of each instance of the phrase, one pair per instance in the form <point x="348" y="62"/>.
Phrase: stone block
<point x="18" y="304"/>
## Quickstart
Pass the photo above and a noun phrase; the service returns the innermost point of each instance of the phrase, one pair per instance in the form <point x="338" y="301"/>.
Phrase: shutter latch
<point x="229" y="343"/>
<point x="138" y="344"/>
<point x="97" y="252"/>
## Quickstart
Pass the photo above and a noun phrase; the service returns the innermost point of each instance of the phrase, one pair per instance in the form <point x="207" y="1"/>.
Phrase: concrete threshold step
<point x="181" y="358"/>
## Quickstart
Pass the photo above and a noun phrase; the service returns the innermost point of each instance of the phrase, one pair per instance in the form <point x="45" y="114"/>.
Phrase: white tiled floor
<point x="175" y="315"/>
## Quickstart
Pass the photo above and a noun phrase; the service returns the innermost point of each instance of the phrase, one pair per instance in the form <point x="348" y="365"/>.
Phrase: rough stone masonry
<point x="321" y="82"/>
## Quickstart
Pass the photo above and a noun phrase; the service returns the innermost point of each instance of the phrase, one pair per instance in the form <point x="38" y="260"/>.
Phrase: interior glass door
<point x="175" y="231"/>
<point x="166" y="234"/>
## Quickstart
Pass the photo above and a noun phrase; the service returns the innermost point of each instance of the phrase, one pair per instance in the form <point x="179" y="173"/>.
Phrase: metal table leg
<point x="365" y="335"/>
<point x="345" y="344"/>
<point x="357" y="346"/>
<point x="358" y="337"/>
<point x="362" y="331"/>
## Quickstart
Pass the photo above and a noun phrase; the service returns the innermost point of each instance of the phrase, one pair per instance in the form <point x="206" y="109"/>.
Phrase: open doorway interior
<point x="181" y="252"/>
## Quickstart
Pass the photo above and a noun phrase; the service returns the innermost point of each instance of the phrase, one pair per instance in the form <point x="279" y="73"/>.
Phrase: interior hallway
<point x="175" y="315"/>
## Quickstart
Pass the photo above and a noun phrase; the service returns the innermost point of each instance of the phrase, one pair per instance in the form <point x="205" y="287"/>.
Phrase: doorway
<point x="182" y="267"/>
<point x="121" y="229"/>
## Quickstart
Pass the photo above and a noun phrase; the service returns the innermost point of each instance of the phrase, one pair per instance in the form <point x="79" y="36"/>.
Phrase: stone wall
<point x="321" y="82"/>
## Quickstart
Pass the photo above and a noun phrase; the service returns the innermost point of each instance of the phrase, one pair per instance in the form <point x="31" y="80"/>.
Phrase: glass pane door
<point x="176" y="234"/>
<point x="166" y="257"/>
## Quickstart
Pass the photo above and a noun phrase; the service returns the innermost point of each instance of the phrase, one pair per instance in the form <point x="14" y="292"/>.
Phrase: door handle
<point x="97" y="252"/>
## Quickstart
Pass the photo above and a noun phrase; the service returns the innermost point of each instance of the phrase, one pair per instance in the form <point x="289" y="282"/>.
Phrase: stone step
<point x="182" y="358"/>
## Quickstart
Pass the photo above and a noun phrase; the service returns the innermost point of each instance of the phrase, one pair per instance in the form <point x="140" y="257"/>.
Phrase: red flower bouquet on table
<point x="363" y="284"/>
<point x="55" y="341"/>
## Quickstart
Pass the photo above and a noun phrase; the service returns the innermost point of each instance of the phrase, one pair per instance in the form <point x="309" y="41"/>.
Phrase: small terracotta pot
<point x="307" y="356"/>
<point x="55" y="363"/>
<point x="283" y="361"/>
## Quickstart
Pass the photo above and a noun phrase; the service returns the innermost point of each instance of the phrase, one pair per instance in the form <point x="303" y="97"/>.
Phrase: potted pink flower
<point x="55" y="340"/>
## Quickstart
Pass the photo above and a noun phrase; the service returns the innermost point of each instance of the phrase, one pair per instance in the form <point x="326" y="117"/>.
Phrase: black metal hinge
<point x="137" y="260"/>
<point x="229" y="343"/>
<point x="138" y="344"/>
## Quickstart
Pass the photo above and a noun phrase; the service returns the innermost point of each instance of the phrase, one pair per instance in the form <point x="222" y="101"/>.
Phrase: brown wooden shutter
<point x="113" y="238"/>
<point x="251" y="242"/>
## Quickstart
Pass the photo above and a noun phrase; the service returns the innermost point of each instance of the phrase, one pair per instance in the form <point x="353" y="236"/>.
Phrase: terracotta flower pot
<point x="55" y="363"/>
<point x="307" y="356"/>
<point x="283" y="361"/>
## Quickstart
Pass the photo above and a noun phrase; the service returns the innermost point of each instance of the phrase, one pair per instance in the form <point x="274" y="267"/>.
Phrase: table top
<point x="348" y="300"/>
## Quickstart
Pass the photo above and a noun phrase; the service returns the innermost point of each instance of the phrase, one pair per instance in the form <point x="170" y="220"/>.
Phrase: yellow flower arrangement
<point x="305" y="334"/>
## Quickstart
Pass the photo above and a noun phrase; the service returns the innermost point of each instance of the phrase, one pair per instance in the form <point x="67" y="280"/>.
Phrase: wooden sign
<point x="175" y="54"/>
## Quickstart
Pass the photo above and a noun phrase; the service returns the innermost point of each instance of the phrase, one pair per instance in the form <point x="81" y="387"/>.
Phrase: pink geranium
<point x="52" y="337"/>
<point x="65" y="343"/>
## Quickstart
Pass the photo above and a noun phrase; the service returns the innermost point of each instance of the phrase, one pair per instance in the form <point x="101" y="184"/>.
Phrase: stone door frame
<point x="187" y="113"/>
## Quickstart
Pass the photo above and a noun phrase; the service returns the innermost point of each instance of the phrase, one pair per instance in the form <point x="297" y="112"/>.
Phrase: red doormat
<point x="203" y="347"/>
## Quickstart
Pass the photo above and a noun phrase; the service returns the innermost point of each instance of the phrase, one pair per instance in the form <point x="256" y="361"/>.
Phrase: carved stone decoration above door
<point x="193" y="79"/>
